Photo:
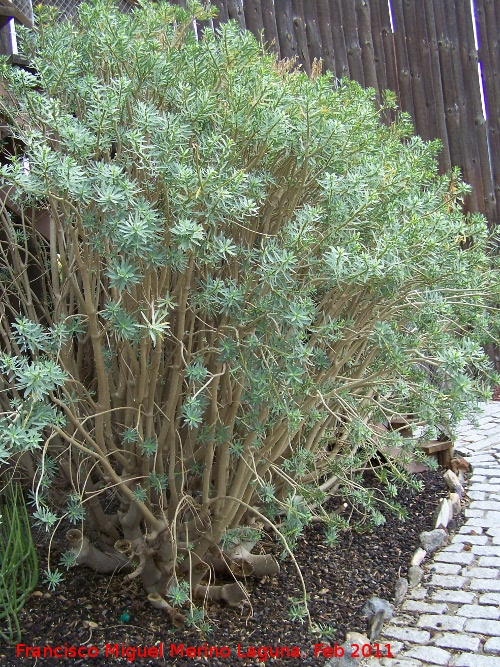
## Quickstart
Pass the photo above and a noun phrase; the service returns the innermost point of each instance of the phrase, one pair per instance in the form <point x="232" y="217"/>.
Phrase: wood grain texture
<point x="488" y="15"/>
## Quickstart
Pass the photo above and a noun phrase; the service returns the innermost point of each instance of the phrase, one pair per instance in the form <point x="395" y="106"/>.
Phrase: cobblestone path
<point x="453" y="617"/>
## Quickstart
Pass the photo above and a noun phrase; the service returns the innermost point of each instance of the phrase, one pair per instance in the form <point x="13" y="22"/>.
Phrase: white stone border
<point x="433" y="540"/>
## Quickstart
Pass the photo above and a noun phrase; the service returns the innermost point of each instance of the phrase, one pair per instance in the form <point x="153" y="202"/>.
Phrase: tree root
<point x="226" y="566"/>
<point x="87" y="554"/>
<point x="233" y="594"/>
<point x="263" y="565"/>
<point x="159" y="602"/>
<point x="257" y="565"/>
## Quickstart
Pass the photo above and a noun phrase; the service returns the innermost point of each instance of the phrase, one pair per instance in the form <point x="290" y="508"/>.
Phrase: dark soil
<point x="339" y="580"/>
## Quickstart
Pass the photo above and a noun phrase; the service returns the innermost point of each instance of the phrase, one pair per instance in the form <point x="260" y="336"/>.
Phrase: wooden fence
<point x="423" y="50"/>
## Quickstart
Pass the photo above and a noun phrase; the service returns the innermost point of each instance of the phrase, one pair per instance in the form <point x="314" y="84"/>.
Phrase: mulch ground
<point x="339" y="580"/>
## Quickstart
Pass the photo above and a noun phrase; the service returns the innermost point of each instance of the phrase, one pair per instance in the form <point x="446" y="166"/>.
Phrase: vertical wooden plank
<point x="299" y="28"/>
<point x="450" y="93"/>
<point x="351" y="38"/>
<point x="467" y="164"/>
<point x="488" y="18"/>
<point x="412" y="17"/>
<point x="437" y="86"/>
<point x="222" y="16"/>
<point x="286" y="33"/>
<point x="389" y="47"/>
<point x="425" y="68"/>
<point x="270" y="26"/>
<point x="326" y="32"/>
<point x="382" y="35"/>
<point x="470" y="160"/>
<point x="378" y="45"/>
<point x="402" y="65"/>
<point x="313" y="34"/>
<point x="254" y="16"/>
<point x="475" y="120"/>
<point x="366" y="39"/>
<point x="235" y="11"/>
<point x="339" y="48"/>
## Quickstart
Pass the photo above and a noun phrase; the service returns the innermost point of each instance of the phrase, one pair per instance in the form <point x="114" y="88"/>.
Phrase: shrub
<point x="246" y="270"/>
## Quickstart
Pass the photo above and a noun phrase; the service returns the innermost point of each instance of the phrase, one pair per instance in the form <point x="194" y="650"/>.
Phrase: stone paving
<point x="452" y="618"/>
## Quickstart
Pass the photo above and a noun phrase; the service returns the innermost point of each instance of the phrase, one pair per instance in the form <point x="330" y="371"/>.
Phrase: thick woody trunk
<point x="87" y="554"/>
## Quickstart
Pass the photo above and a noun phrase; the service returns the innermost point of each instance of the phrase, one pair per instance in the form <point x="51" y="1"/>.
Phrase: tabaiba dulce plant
<point x="242" y="272"/>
